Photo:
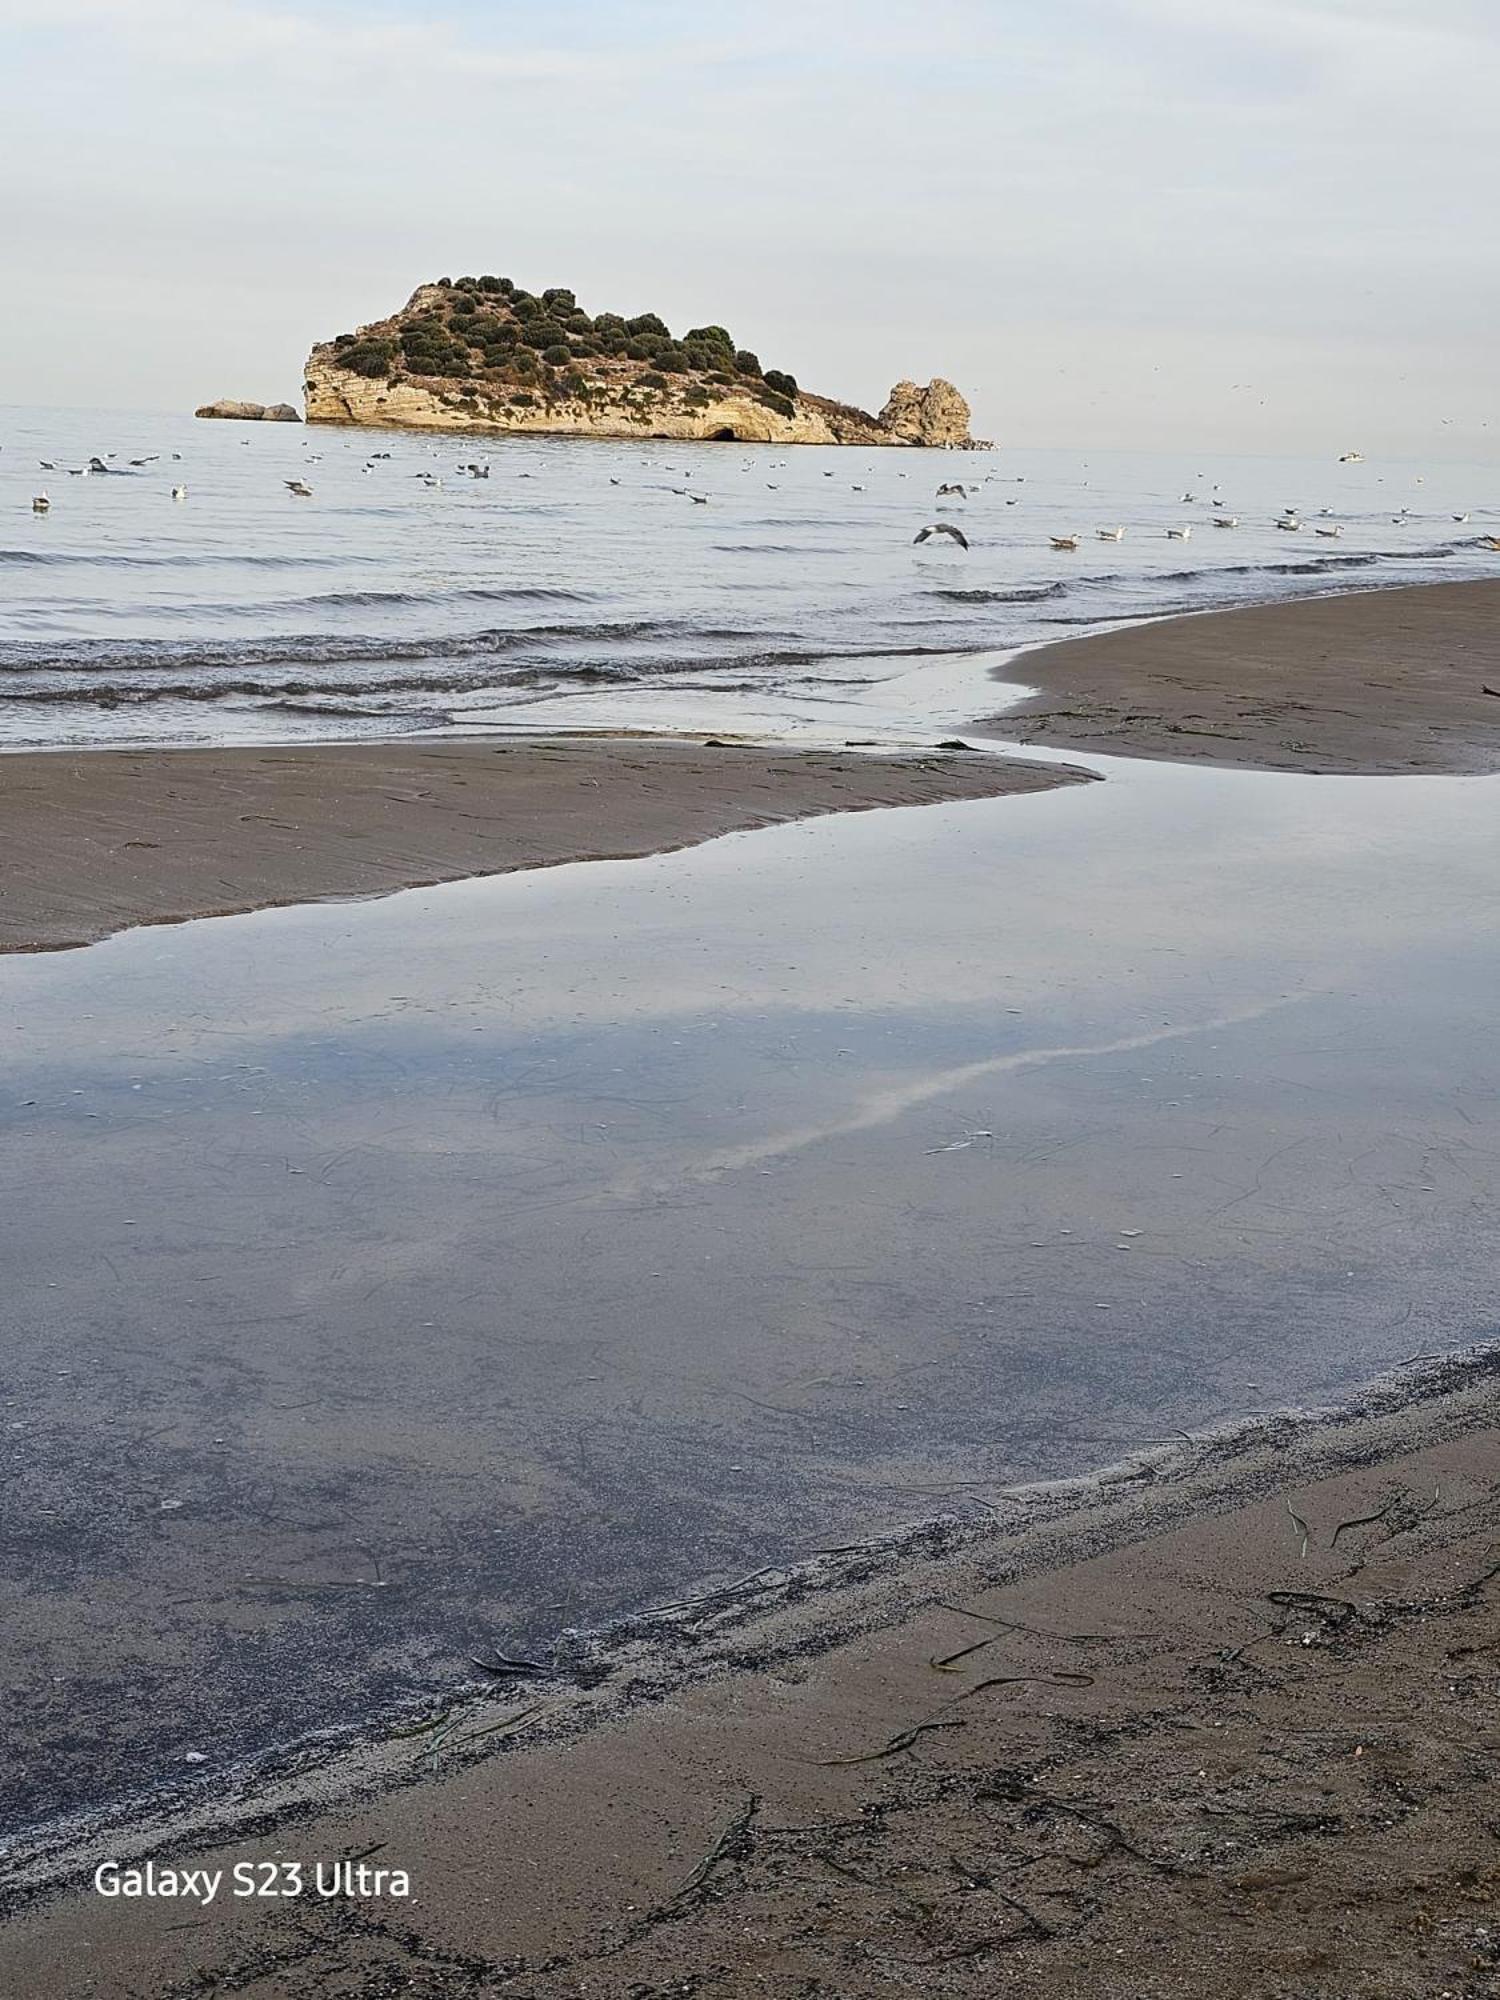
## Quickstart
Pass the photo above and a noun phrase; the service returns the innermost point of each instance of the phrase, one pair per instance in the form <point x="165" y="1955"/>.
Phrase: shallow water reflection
<point x="389" y="1280"/>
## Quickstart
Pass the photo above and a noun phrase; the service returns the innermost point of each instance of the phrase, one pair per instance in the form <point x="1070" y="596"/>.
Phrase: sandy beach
<point x="101" y="840"/>
<point x="1382" y="681"/>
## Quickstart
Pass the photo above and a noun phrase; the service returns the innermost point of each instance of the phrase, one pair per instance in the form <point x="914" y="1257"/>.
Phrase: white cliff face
<point x="336" y="396"/>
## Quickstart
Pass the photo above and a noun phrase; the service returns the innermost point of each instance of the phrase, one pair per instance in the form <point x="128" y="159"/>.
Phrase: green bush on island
<point x="369" y="357"/>
<point x="489" y="328"/>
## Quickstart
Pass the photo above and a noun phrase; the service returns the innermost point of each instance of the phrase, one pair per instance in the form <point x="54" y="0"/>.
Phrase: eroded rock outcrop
<point x="483" y="355"/>
<point x="250" y="413"/>
<point x="936" y="415"/>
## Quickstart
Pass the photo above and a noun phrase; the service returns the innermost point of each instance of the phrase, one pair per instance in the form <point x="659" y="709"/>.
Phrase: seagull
<point x="40" y="503"/>
<point x="179" y="493"/>
<point x="1332" y="533"/>
<point x="147" y="461"/>
<point x="1289" y="523"/>
<point x="947" y="492"/>
<point x="1110" y="534"/>
<point x="1068" y="542"/>
<point x="1179" y="534"/>
<point x="1460" y="518"/>
<point x="698" y="499"/>
<point x="1226" y="520"/>
<point x="1189" y="500"/>
<point x="298" y="486"/>
<point x="47" y="464"/>
<point x="942" y="528"/>
<point x="97" y="465"/>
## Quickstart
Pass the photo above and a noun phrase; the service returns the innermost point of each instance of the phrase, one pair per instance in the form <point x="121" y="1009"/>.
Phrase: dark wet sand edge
<point x="1373" y="682"/>
<point x="97" y="841"/>
<point x="1178" y="1662"/>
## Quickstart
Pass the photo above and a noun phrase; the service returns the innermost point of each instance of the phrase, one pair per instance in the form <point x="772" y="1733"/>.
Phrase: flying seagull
<point x="942" y="528"/>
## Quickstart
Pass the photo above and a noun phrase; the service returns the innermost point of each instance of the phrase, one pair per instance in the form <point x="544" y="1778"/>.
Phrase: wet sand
<point x="1384" y="681"/>
<point x="1221" y="1722"/>
<point x="1230" y="1725"/>
<point x="99" y="840"/>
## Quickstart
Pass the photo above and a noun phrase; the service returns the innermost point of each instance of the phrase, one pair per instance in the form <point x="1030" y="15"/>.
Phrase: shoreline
<point x="771" y="1689"/>
<point x="604" y="1810"/>
<point x="1374" y="682"/>
<point x="100" y="841"/>
<point x="1380" y="682"/>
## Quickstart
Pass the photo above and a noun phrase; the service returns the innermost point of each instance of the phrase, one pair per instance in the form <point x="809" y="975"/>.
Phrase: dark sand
<point x="1225" y="1724"/>
<point x="1385" y="681"/>
<point x="96" y="841"/>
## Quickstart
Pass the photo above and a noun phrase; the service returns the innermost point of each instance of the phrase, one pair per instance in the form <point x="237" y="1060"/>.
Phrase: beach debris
<point x="501" y="1665"/>
<point x="960" y="1145"/>
<point x="506" y="1726"/>
<point x="419" y="1728"/>
<point x="1360" y="1521"/>
<point x="1063" y="1677"/>
<point x="1065" y="542"/>
<point x="727" y="1847"/>
<point x="905" y="1740"/>
<point x="298" y="486"/>
<point x="941" y="528"/>
<point x="1300" y="1525"/>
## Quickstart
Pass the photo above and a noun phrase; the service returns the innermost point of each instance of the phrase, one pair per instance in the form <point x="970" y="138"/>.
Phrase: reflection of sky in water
<point x="555" y="1239"/>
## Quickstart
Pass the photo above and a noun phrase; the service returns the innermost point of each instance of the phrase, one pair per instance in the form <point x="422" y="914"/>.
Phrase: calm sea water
<point x="579" y="586"/>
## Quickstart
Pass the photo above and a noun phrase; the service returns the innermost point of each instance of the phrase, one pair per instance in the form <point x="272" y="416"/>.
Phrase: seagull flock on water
<point x="951" y="493"/>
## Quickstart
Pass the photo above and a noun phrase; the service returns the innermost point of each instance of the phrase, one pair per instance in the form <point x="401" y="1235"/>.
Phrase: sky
<point x="1262" y="225"/>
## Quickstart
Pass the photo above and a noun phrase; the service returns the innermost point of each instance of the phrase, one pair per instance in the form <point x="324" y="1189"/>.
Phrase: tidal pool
<point x="389" y="1281"/>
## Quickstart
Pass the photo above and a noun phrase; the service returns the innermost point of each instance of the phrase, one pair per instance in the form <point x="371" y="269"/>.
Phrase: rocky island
<point x="481" y="354"/>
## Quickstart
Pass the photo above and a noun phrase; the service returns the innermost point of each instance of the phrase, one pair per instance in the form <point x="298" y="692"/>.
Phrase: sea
<point x="453" y="584"/>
